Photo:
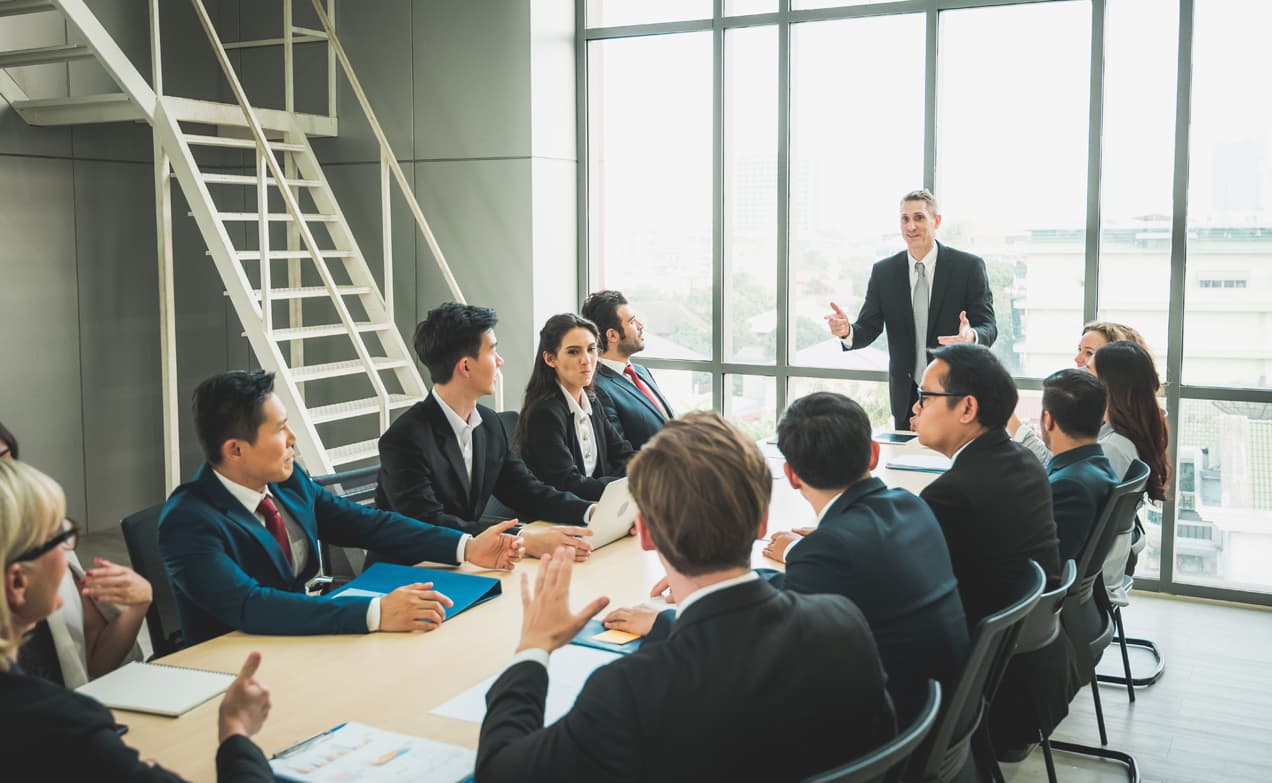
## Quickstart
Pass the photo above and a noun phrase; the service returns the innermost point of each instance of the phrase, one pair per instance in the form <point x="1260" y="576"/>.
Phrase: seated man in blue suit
<point x="240" y="540"/>
<point x="627" y="392"/>
<point x="1081" y="477"/>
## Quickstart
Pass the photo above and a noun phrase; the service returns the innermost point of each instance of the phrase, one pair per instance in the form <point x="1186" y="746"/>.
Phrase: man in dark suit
<point x="1081" y="477"/>
<point x="627" y="392"/>
<point x="753" y="683"/>
<point x="240" y="540"/>
<point x="994" y="506"/>
<point x="880" y="547"/>
<point x="926" y="296"/>
<point x="445" y="457"/>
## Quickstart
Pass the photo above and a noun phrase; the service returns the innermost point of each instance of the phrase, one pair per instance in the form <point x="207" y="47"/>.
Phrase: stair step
<point x="316" y="372"/>
<point x="312" y="292"/>
<point x="325" y="330"/>
<point x="285" y="217"/>
<point x="42" y="55"/>
<point x="17" y="7"/>
<point x="234" y="141"/>
<point x="354" y="452"/>
<point x="247" y="179"/>
<point x="354" y="408"/>
<point x="255" y="255"/>
<point x="80" y="109"/>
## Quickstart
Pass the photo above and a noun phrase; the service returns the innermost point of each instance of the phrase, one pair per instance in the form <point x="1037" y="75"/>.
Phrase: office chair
<point x="881" y="764"/>
<point x="141" y="537"/>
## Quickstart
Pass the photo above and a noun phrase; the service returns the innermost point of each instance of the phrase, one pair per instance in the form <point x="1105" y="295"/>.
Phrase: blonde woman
<point x="55" y="733"/>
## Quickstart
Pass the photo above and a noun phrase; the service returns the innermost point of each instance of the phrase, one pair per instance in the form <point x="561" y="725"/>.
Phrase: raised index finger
<point x="838" y="311"/>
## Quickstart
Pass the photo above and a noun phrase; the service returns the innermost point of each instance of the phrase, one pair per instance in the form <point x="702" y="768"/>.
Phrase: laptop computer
<point x="614" y="516"/>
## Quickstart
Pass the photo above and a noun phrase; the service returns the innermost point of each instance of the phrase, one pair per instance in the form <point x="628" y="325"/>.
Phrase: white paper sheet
<point x="568" y="668"/>
<point x="359" y="752"/>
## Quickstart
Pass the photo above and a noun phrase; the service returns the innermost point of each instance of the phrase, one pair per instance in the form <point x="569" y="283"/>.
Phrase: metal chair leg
<point x="1132" y="768"/>
<point x="1126" y="659"/>
<point x="1099" y="713"/>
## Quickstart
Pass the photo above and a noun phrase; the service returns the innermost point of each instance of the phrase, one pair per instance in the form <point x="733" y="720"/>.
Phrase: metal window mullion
<point x="1178" y="276"/>
<point x="932" y="33"/>
<point x="783" y="211"/>
<point x="581" y="145"/>
<point x="718" y="299"/>
<point x="1095" y="163"/>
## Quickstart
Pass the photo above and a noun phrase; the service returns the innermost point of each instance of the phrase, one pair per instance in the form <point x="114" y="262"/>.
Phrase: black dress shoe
<point x="1017" y="755"/>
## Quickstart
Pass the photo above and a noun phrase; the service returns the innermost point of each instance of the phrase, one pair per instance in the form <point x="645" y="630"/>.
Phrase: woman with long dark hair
<point x="1133" y="415"/>
<point x="563" y="435"/>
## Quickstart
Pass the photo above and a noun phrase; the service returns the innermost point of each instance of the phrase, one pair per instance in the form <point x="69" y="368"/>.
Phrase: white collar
<point x="685" y="603"/>
<point x="929" y="260"/>
<point x="250" y="498"/>
<point x="614" y="364"/>
<point x="584" y="410"/>
<point x="826" y="507"/>
<point x="461" y="426"/>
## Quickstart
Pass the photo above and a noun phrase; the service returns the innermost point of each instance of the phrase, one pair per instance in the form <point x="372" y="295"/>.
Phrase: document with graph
<point x="357" y="752"/>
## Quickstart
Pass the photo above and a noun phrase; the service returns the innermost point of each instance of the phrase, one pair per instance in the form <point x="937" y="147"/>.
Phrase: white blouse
<point x="582" y="415"/>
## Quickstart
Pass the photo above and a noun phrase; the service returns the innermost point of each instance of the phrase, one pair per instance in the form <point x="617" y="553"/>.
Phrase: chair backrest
<point x="141" y="536"/>
<point x="993" y="641"/>
<point x="495" y="510"/>
<point x="1042" y="626"/>
<point x="877" y="764"/>
<point x="1085" y="614"/>
<point x="358" y="485"/>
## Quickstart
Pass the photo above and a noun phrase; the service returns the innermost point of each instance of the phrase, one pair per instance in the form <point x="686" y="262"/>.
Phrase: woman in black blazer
<point x="58" y="734"/>
<point x="563" y="435"/>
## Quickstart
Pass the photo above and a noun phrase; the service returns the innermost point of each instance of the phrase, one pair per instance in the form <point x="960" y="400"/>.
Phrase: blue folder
<point x="593" y="627"/>
<point x="466" y="590"/>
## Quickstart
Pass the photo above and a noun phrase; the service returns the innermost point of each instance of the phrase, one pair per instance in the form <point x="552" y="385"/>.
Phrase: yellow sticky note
<point x="615" y="637"/>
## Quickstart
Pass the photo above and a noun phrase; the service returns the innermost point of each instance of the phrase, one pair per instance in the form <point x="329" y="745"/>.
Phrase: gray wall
<point x="476" y="98"/>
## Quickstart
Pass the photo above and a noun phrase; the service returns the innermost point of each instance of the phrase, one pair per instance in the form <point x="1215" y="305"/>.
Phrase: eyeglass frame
<point x="70" y="532"/>
<point x="925" y="393"/>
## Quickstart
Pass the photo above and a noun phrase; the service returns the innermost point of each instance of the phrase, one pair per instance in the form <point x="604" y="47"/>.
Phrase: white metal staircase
<point x="289" y="261"/>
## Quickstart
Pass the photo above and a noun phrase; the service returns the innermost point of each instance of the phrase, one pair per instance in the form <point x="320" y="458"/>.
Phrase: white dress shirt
<point x="929" y="271"/>
<point x="582" y="415"/>
<point x="618" y="367"/>
<point x="463" y="431"/>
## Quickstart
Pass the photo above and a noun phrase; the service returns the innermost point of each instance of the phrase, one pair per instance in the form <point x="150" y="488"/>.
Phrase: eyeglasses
<point x="67" y="538"/>
<point x="924" y="394"/>
<point x="6" y="451"/>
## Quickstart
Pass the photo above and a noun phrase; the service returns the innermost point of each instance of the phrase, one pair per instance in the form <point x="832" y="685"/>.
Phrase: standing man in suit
<point x="445" y="457"/>
<point x="994" y="506"/>
<point x="753" y="683"/>
<point x="925" y="296"/>
<point x="1081" y="476"/>
<point x="627" y="392"/>
<point x="240" y="540"/>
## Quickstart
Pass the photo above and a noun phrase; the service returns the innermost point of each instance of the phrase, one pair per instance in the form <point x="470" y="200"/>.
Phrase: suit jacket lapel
<point x="449" y="444"/>
<point x="212" y="490"/>
<point x="901" y="269"/>
<point x="940" y="282"/>
<point x="304" y="517"/>
<point x="483" y="449"/>
<point x="648" y="378"/>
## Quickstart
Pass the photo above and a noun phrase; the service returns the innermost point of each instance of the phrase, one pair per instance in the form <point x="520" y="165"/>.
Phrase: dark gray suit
<point x="632" y="414"/>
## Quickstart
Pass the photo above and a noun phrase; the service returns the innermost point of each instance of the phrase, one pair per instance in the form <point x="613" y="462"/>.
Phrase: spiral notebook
<point x="156" y="688"/>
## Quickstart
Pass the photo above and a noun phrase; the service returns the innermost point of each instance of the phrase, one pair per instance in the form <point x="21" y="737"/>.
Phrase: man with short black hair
<point x="1081" y="476"/>
<point x="627" y="392"/>
<point x="240" y="540"/>
<point x="747" y="667"/>
<point x="446" y="456"/>
<point x="994" y="506"/>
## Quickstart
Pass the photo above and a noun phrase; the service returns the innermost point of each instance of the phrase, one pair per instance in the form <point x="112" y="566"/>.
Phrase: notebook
<point x="588" y="637"/>
<point x="924" y="463"/>
<point x="355" y="751"/>
<point x="466" y="590"/>
<point x="156" y="688"/>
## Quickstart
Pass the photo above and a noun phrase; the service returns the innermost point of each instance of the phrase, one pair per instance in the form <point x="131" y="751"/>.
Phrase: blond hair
<point x="32" y="505"/>
<point x="1115" y="333"/>
<point x="924" y="195"/>
<point x="703" y="489"/>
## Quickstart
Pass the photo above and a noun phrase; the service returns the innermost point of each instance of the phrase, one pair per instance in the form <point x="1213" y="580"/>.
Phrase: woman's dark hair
<point x="1127" y="372"/>
<point x="543" y="377"/>
<point x="9" y="441"/>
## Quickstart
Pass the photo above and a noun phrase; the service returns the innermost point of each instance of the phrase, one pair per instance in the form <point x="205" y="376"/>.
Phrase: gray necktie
<point x="920" y="320"/>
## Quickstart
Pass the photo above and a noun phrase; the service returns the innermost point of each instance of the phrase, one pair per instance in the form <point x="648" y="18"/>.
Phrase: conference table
<point x="392" y="681"/>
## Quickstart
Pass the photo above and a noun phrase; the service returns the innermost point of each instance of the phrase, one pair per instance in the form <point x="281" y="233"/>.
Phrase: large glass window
<point x="1012" y="125"/>
<point x="615" y="13"/>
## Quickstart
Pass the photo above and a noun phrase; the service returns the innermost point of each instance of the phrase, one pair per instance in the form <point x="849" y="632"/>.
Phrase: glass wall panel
<point x="685" y="390"/>
<point x="615" y="13"/>
<point x="870" y="395"/>
<point x="750" y="402"/>
<point x="1012" y="126"/>
<point x="649" y="185"/>
<point x="856" y="148"/>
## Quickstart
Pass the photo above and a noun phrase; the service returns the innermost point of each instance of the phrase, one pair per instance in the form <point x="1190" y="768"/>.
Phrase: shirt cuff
<point x="462" y="547"/>
<point x="975" y="337"/>
<point x="846" y="341"/>
<point x="587" y="515"/>
<point x="536" y="654"/>
<point x="373" y="615"/>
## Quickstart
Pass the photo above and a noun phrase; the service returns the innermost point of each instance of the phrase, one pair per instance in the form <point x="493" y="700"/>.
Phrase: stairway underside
<point x="118" y="107"/>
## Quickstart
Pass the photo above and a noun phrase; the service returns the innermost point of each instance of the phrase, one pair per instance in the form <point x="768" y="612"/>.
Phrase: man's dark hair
<point x="230" y="405"/>
<point x="448" y="333"/>
<point x="975" y="371"/>
<point x="825" y="438"/>
<point x="1075" y="399"/>
<point x="601" y="308"/>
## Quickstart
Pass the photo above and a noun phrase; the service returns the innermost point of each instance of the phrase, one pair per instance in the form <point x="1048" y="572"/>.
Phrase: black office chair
<point x="881" y="764"/>
<point x="1127" y="678"/>
<point x="495" y="510"/>
<point x="955" y="741"/>
<point x="1086" y="614"/>
<point x="1040" y="629"/>
<point x="141" y="536"/>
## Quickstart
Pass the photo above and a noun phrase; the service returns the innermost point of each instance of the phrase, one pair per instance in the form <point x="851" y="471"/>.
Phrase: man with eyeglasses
<point x="926" y="296"/>
<point x="994" y="507"/>
<point x="627" y="392"/>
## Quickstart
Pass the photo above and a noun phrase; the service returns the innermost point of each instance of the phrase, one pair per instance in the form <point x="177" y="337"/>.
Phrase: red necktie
<point x="630" y="372"/>
<point x="274" y="524"/>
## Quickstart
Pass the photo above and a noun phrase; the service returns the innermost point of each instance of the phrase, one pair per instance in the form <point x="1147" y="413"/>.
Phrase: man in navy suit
<point x="1081" y="477"/>
<point x="627" y="392"/>
<point x="240" y="540"/>
<point x="926" y="296"/>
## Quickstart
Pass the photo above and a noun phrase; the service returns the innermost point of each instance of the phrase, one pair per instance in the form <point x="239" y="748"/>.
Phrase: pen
<point x="299" y="746"/>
